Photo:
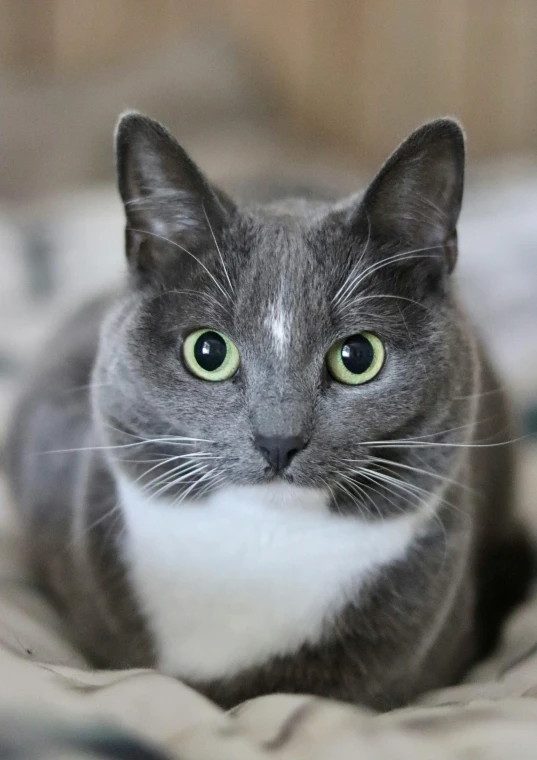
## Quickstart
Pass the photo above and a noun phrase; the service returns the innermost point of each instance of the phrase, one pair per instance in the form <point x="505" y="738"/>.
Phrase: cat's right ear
<point x="168" y="202"/>
<point x="416" y="197"/>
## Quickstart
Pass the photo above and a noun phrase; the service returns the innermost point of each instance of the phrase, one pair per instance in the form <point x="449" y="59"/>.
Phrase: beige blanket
<point x="44" y="680"/>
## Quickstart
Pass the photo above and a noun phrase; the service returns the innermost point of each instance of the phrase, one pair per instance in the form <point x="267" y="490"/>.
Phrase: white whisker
<point x="340" y="294"/>
<point x="207" y="476"/>
<point x="375" y="488"/>
<point x="361" y="493"/>
<point x="116" y="509"/>
<point x="384" y="482"/>
<point x="217" y="248"/>
<point x="424" y="444"/>
<point x="418" y="470"/>
<point x="403" y="485"/>
<point x="376" y="266"/>
<point x="185" y="468"/>
<point x="398" y="298"/>
<point x="181" y="479"/>
<point x="162" y="463"/>
<point x="173" y="441"/>
<point x="182" y="248"/>
<point x="217" y="480"/>
<point x="186" y="291"/>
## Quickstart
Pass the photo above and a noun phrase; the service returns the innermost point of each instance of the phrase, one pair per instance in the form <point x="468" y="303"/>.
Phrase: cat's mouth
<point x="271" y="476"/>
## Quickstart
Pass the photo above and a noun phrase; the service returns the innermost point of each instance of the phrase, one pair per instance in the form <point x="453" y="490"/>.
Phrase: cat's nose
<point x="279" y="451"/>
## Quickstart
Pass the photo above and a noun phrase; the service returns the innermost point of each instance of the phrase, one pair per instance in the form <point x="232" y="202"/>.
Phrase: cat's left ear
<point x="166" y="197"/>
<point x="416" y="197"/>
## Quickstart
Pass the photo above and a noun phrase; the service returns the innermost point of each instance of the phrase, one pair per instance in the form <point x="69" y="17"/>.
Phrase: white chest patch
<point x="249" y="573"/>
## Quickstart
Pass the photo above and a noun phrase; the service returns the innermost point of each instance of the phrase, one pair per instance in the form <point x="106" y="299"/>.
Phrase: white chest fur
<point x="249" y="573"/>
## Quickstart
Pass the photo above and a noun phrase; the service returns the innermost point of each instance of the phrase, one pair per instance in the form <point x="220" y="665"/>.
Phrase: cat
<point x="275" y="460"/>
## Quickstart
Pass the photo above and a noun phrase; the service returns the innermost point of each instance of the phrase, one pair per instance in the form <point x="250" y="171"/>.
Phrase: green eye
<point x="357" y="359"/>
<point x="210" y="355"/>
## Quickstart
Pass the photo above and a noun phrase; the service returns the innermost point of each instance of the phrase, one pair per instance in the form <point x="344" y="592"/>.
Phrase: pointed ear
<point x="165" y="195"/>
<point x="416" y="197"/>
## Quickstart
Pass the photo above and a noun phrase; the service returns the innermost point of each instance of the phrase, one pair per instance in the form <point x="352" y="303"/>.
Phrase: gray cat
<point x="275" y="461"/>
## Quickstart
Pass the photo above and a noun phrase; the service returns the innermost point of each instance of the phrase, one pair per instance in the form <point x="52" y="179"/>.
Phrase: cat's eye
<point x="210" y="355"/>
<point x="356" y="359"/>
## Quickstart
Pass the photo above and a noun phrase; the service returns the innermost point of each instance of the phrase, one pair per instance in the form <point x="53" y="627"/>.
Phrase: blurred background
<point x="309" y="90"/>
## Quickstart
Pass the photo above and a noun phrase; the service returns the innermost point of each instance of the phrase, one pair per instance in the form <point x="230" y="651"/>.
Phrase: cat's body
<point x="363" y="568"/>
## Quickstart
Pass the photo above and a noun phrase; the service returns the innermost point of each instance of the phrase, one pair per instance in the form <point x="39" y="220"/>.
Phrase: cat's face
<point x="282" y="343"/>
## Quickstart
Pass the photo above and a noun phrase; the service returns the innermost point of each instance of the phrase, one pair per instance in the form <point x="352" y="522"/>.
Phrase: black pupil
<point x="357" y="354"/>
<point x="210" y="351"/>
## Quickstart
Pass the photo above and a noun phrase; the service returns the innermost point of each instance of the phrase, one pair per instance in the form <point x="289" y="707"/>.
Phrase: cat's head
<point x="267" y="343"/>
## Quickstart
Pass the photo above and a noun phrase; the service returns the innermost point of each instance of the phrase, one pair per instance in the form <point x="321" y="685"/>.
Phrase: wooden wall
<point x="65" y="38"/>
<point x="354" y="73"/>
<point x="366" y="71"/>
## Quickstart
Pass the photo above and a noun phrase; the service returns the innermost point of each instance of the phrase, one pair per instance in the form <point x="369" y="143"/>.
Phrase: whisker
<point x="399" y="298"/>
<point x="182" y="248"/>
<point x="177" y="471"/>
<point x="418" y="470"/>
<point x="481" y="394"/>
<point x="172" y="440"/>
<point x="217" y="248"/>
<point x="377" y="265"/>
<point x="181" y="479"/>
<point x="422" y="438"/>
<point x="187" y="291"/>
<point x="424" y="444"/>
<point x="375" y="488"/>
<point x="85" y="387"/>
<point x="406" y="486"/>
<point x="331" y="492"/>
<point x="165" y="438"/>
<point x="193" y="456"/>
<point x="193" y="485"/>
<point x="212" y="485"/>
<point x="409" y="497"/>
<point x="173" y="476"/>
<point x="340" y="294"/>
<point x="349" y="495"/>
<point x="410" y="488"/>
<point x="116" y="509"/>
<point x="361" y="492"/>
<point x="424" y="500"/>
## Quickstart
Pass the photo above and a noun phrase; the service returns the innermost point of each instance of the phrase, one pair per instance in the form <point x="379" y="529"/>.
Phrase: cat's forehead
<point x="284" y="288"/>
<point x="282" y="265"/>
<point x="282" y="251"/>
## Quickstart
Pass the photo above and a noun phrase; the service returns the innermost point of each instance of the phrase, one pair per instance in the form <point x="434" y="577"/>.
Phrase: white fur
<point x="249" y="573"/>
<point x="280" y="331"/>
<point x="278" y="322"/>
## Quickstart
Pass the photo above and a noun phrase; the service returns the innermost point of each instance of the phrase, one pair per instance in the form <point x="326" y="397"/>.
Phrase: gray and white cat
<point x="274" y="462"/>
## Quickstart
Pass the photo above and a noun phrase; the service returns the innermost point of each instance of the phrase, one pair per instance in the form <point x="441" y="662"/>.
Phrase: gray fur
<point x="198" y="259"/>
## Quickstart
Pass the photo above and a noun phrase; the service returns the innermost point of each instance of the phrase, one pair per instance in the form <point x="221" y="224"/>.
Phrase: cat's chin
<point x="275" y="494"/>
<point x="294" y="480"/>
<point x="278" y="477"/>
